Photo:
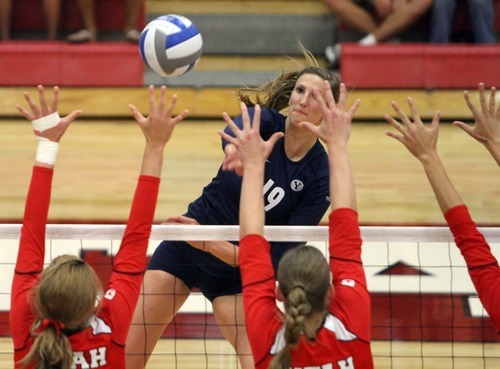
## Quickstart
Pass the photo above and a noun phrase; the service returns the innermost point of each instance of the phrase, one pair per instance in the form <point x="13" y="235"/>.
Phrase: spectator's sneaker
<point x="133" y="36"/>
<point x="332" y="55"/>
<point x="81" y="37"/>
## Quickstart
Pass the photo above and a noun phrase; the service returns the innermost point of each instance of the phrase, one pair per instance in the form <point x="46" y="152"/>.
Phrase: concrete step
<point x="255" y="27"/>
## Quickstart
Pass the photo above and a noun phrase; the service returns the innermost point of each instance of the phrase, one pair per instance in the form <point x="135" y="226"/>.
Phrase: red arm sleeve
<point x="483" y="267"/>
<point x="351" y="302"/>
<point x="132" y="255"/>
<point x="31" y="252"/>
<point x="261" y="313"/>
<point x="129" y="264"/>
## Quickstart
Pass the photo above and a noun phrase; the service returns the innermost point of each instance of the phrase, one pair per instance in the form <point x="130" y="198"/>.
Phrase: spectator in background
<point x="51" y="8"/>
<point x="89" y="33"/>
<point x="481" y="14"/>
<point x="379" y="20"/>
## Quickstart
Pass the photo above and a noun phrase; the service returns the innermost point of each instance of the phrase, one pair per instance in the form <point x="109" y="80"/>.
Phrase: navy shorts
<point x="197" y="269"/>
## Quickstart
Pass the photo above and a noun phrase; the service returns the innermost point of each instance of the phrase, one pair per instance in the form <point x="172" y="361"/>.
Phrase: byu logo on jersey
<point x="296" y="185"/>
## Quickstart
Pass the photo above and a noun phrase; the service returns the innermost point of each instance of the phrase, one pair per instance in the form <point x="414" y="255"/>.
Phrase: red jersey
<point x="483" y="267"/>
<point x="344" y="340"/>
<point x="102" y="343"/>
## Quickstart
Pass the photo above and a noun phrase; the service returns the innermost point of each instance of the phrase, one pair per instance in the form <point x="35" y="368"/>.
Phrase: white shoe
<point x="332" y="55"/>
<point x="81" y="37"/>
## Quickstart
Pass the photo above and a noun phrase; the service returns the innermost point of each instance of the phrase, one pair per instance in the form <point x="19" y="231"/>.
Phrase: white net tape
<point x="230" y="233"/>
<point x="415" y="269"/>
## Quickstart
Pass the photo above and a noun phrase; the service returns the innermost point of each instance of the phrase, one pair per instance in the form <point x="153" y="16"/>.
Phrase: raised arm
<point x="157" y="128"/>
<point x="49" y="129"/>
<point x="129" y="263"/>
<point x="421" y="142"/>
<point x="334" y="131"/>
<point x="486" y="128"/>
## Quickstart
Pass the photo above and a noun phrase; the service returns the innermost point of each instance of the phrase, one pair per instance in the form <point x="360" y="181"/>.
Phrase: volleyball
<point x="170" y="45"/>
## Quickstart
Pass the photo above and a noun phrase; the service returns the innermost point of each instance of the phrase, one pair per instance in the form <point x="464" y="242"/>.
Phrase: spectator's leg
<point x="87" y="12"/>
<point x="132" y="11"/>
<point x="443" y="14"/>
<point x="482" y="16"/>
<point x="5" y="14"/>
<point x="52" y="9"/>
<point x="401" y="18"/>
<point x="353" y="15"/>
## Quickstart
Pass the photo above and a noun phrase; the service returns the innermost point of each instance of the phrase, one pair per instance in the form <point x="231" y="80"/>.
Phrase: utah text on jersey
<point x="342" y="364"/>
<point x="91" y="359"/>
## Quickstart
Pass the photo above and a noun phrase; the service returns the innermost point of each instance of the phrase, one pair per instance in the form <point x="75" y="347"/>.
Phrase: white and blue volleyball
<point x="171" y="45"/>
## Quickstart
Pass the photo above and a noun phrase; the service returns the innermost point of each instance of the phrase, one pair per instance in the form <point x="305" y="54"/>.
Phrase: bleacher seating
<point x="238" y="28"/>
<point x="420" y="66"/>
<point x="27" y="15"/>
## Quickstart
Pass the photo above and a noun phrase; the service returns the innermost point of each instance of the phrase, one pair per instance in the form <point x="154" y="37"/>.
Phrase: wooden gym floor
<point x="99" y="161"/>
<point x="218" y="354"/>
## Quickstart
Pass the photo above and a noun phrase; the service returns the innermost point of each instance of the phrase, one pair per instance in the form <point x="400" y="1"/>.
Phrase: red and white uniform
<point x="344" y="340"/>
<point x="102" y="343"/>
<point x="483" y="267"/>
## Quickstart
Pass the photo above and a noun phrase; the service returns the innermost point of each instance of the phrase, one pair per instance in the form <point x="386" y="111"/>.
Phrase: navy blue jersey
<point x="295" y="193"/>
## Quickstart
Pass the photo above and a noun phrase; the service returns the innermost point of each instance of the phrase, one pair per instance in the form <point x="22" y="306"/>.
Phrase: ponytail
<point x="65" y="298"/>
<point x="50" y="350"/>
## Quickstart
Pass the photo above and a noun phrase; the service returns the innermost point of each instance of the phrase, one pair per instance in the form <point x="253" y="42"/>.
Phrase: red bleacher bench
<point x="424" y="65"/>
<point x="106" y="64"/>
<point x="60" y="63"/>
<point x="420" y="66"/>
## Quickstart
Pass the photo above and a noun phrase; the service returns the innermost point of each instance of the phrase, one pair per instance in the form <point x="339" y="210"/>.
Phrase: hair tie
<point x="46" y="323"/>
<point x="299" y="286"/>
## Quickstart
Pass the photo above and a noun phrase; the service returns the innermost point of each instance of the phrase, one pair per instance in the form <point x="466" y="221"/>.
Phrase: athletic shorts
<point x="197" y="269"/>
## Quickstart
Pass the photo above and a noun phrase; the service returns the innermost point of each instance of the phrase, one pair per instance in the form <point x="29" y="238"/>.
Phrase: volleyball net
<point x="425" y="311"/>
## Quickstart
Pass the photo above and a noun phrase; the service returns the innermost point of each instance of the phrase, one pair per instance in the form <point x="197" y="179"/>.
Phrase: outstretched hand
<point x="486" y="126"/>
<point x="421" y="141"/>
<point x="158" y="126"/>
<point x="251" y="148"/>
<point x="53" y="127"/>
<point x="335" y="124"/>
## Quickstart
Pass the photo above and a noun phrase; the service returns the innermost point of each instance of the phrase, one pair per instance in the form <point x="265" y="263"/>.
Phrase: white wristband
<point x="46" y="151"/>
<point x="46" y="122"/>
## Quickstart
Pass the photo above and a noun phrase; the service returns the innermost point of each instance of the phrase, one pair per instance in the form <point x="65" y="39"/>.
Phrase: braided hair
<point x="304" y="280"/>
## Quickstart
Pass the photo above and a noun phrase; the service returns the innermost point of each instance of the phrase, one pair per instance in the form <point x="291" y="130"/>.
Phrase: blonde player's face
<point x="303" y="106"/>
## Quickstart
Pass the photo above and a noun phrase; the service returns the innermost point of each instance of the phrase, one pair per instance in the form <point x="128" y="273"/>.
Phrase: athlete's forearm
<point x="223" y="250"/>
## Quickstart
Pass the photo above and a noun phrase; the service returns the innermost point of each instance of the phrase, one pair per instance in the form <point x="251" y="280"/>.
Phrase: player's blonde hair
<point x="304" y="281"/>
<point x="63" y="301"/>
<point x="275" y="94"/>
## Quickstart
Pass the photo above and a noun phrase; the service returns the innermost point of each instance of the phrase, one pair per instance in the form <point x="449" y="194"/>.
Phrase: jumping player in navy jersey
<point x="421" y="142"/>
<point x="326" y="322"/>
<point x="60" y="317"/>
<point x="295" y="191"/>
